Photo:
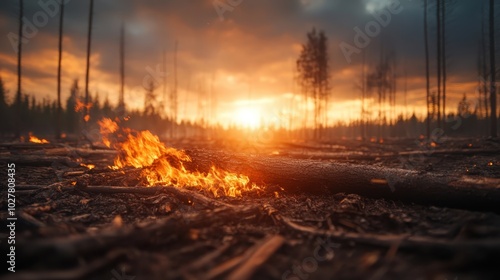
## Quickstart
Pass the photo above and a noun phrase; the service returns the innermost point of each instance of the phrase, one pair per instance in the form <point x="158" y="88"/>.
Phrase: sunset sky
<point x="247" y="55"/>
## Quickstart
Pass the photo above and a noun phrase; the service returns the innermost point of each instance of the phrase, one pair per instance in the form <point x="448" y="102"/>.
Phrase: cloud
<point x="256" y="43"/>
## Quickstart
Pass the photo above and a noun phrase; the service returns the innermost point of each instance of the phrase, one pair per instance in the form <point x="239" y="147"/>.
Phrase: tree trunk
<point x="59" y="65"/>
<point x="493" y="91"/>
<point x="439" y="57"/>
<point x="19" y="66"/>
<point x="443" y="53"/>
<point x="121" y="101"/>
<point x="377" y="182"/>
<point x="427" y="78"/>
<point x="484" y="68"/>
<point x="87" y="73"/>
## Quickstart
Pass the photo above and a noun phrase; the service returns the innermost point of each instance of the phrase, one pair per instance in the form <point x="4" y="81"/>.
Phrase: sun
<point x="248" y="117"/>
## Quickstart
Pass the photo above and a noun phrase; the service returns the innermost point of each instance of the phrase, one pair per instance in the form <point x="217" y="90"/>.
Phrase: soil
<point x="64" y="231"/>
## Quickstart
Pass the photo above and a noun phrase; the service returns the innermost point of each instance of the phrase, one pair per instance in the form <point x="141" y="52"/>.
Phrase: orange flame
<point x="89" y="166"/>
<point x="165" y="166"/>
<point x="34" y="139"/>
<point x="106" y="127"/>
<point x="79" y="106"/>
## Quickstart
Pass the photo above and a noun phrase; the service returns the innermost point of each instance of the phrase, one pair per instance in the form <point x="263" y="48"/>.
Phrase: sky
<point x="235" y="57"/>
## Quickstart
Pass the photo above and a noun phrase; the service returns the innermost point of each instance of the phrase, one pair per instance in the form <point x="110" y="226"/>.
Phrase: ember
<point x="89" y="166"/>
<point x="34" y="139"/>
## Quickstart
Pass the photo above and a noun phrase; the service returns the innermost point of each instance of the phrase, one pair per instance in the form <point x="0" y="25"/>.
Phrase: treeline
<point x="41" y="117"/>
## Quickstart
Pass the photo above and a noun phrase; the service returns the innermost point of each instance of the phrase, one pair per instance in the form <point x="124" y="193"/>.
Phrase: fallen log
<point x="39" y="160"/>
<point x="377" y="182"/>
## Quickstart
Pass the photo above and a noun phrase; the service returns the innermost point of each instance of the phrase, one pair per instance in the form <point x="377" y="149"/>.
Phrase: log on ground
<point x="377" y="182"/>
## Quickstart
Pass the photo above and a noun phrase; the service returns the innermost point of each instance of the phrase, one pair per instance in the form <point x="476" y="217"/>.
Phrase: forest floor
<point x="66" y="229"/>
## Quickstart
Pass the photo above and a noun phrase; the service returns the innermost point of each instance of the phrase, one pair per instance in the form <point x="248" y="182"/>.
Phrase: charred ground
<point x="76" y="223"/>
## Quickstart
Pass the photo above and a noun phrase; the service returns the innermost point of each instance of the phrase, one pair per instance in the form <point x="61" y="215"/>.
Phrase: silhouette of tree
<point x="427" y="78"/>
<point x="71" y="115"/>
<point x="17" y="102"/>
<point x="89" y="44"/>
<point x="59" y="66"/>
<point x="313" y="75"/>
<point x="493" y="91"/>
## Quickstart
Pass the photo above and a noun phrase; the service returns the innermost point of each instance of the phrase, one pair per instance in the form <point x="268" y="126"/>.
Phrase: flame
<point x="163" y="165"/>
<point x="107" y="127"/>
<point x="89" y="166"/>
<point x="34" y="139"/>
<point x="79" y="106"/>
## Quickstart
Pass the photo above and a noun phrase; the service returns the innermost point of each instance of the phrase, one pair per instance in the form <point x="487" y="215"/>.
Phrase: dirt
<point x="425" y="241"/>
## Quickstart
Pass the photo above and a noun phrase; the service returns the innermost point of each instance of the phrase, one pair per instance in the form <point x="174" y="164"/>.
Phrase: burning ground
<point x="133" y="206"/>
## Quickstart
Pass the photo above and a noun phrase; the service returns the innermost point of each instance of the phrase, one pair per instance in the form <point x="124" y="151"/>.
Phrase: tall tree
<point x="484" y="63"/>
<point x="121" y="101"/>
<point x="19" y="65"/>
<point x="439" y="60"/>
<point x="173" y="94"/>
<point x="427" y="78"/>
<point x="443" y="54"/>
<point x="313" y="70"/>
<point x="89" y="43"/>
<point x="59" y="65"/>
<point x="493" y="91"/>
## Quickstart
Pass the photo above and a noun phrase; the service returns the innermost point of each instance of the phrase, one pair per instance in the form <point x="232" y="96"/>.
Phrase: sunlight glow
<point x="248" y="117"/>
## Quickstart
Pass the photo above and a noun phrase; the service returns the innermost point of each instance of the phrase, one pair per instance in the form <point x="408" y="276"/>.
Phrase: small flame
<point x="107" y="127"/>
<point x="79" y="106"/>
<point x="165" y="166"/>
<point x="34" y="139"/>
<point x="89" y="166"/>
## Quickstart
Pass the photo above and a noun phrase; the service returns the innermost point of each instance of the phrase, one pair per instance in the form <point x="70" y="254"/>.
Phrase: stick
<point x="185" y="194"/>
<point x="488" y="247"/>
<point x="260" y="253"/>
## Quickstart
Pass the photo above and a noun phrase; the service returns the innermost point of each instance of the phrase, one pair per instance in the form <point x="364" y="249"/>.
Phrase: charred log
<point x="371" y="181"/>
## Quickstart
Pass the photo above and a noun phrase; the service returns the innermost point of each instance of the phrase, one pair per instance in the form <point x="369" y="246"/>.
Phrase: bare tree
<point x="427" y="78"/>
<point x="173" y="94"/>
<point x="382" y="79"/>
<point x="313" y="70"/>
<point x="89" y="43"/>
<point x="59" y="66"/>
<point x="121" y="101"/>
<point x="19" y="65"/>
<point x="484" y="62"/>
<point x="439" y="60"/>
<point x="493" y="97"/>
<point x="443" y="54"/>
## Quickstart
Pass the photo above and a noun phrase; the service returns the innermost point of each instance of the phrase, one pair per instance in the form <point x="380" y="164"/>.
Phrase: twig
<point x="260" y="253"/>
<point x="183" y="193"/>
<point x="488" y="246"/>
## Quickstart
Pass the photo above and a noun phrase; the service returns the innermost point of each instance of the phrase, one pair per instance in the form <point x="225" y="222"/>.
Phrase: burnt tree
<point x="59" y="66"/>
<point x="313" y="75"/>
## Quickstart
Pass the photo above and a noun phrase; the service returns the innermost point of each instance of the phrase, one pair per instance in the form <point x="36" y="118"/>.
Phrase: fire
<point x="80" y="106"/>
<point x="107" y="127"/>
<point x="163" y="165"/>
<point x="89" y="166"/>
<point x="34" y="139"/>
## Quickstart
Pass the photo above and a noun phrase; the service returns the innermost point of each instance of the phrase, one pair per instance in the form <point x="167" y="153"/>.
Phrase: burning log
<point x="377" y="182"/>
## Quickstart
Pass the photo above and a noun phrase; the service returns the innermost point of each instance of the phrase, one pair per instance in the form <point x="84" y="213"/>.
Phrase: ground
<point x="72" y="224"/>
